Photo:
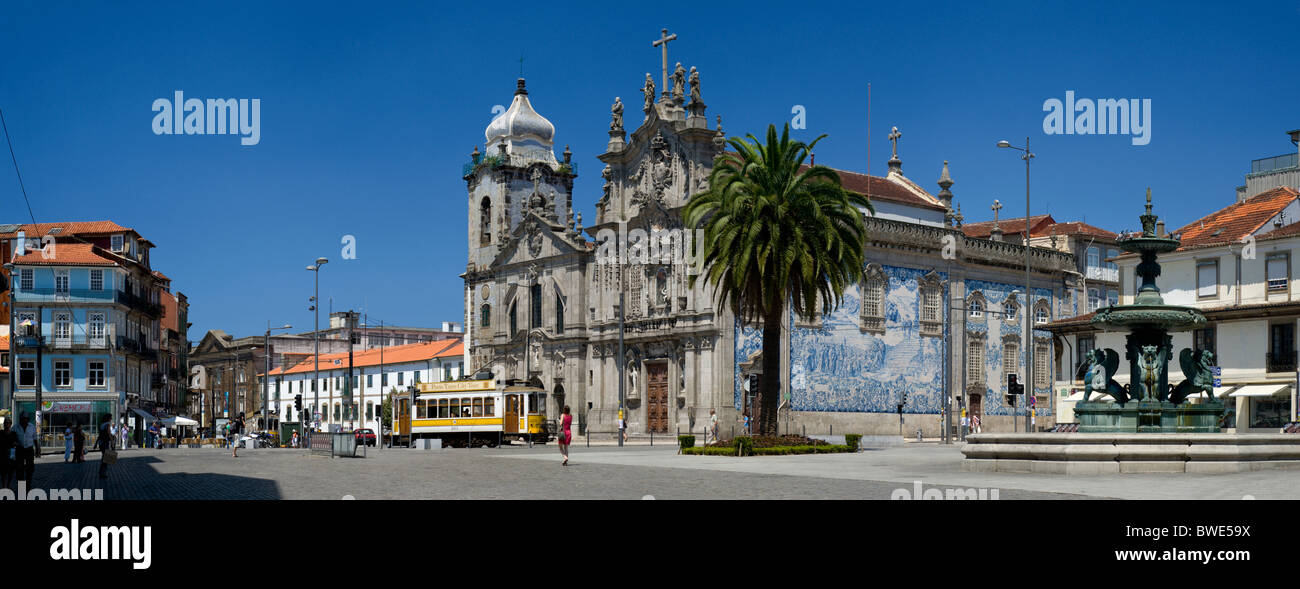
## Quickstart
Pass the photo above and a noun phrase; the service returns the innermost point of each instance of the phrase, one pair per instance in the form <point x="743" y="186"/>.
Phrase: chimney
<point x="1160" y="228"/>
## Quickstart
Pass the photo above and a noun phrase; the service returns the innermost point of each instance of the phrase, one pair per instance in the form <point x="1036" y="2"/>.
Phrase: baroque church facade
<point x="542" y="293"/>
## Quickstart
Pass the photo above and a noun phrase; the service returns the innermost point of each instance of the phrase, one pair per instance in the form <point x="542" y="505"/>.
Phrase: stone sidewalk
<point x="631" y="472"/>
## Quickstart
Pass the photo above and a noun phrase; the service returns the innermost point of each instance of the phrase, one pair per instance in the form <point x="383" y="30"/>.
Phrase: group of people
<point x="21" y="445"/>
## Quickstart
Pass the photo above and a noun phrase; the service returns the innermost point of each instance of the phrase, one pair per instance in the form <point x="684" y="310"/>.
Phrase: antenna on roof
<point x="868" y="140"/>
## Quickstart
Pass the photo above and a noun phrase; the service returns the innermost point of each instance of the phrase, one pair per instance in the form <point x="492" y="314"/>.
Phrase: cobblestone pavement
<point x="634" y="472"/>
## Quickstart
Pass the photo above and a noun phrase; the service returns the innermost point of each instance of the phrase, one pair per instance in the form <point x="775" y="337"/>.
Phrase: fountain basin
<point x="1166" y="317"/>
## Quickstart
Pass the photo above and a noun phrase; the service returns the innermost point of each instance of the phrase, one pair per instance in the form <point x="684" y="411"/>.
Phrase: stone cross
<point x="894" y="135"/>
<point x="662" y="43"/>
<point x="997" y="206"/>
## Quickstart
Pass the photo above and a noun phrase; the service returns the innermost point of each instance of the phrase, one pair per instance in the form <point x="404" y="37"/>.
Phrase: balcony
<point x="1275" y="163"/>
<point x="141" y="304"/>
<point x="50" y="295"/>
<point x="1102" y="273"/>
<point x="1281" y="362"/>
<point x="136" y="346"/>
<point x="74" y="343"/>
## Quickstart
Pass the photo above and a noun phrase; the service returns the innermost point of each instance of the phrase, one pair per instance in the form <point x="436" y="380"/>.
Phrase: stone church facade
<point x="542" y="292"/>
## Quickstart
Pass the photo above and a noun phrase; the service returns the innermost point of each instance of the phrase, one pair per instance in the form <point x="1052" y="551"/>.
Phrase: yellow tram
<point x="471" y="412"/>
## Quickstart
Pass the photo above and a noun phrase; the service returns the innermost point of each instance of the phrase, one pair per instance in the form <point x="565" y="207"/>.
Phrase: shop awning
<point x="1221" y="392"/>
<point x="147" y="417"/>
<point x="1096" y="396"/>
<point x="1262" y="390"/>
<point x="177" y="421"/>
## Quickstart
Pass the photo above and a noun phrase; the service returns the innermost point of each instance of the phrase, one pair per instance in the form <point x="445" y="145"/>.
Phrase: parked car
<point x="366" y="436"/>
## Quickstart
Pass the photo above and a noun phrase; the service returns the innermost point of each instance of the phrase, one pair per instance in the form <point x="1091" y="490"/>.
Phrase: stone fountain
<point x="1149" y="404"/>
<point x="1147" y="425"/>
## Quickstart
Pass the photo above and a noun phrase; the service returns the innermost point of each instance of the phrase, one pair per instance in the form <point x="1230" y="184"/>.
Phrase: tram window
<point x="489" y="407"/>
<point x="454" y="407"/>
<point x="424" y="409"/>
<point x="443" y="411"/>
<point x="478" y="407"/>
<point x="466" y="406"/>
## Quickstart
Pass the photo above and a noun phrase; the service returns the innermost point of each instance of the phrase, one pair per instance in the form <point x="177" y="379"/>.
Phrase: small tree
<point x="386" y="414"/>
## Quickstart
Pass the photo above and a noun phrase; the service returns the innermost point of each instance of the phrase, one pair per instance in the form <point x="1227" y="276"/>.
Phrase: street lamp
<point x="1029" y="324"/>
<point x="266" y="377"/>
<point x="315" y="335"/>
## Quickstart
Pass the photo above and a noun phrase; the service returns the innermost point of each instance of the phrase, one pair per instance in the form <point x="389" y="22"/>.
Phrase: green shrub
<point x="767" y="451"/>
<point x="744" y="445"/>
<point x="852" y="441"/>
<point x="685" y="442"/>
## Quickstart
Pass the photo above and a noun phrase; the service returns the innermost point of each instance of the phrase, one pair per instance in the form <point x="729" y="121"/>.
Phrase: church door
<point x="657" y="397"/>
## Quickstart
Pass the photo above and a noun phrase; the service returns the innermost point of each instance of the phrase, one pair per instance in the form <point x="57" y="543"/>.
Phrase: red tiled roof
<point x="1073" y="228"/>
<point x="391" y="355"/>
<point x="877" y="188"/>
<point x="1013" y="226"/>
<point x="1230" y="224"/>
<point x="4" y="345"/>
<point x="69" y="228"/>
<point x="68" y="254"/>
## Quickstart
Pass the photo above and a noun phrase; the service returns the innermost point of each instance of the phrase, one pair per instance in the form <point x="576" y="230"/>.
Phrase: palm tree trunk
<point x="770" y="384"/>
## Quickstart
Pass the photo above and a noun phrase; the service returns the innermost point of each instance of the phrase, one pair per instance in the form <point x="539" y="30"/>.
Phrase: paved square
<point x="632" y="472"/>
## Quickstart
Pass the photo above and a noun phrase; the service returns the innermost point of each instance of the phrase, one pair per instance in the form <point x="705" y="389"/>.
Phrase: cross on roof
<point x="997" y="206"/>
<point x="894" y="135"/>
<point x="662" y="43"/>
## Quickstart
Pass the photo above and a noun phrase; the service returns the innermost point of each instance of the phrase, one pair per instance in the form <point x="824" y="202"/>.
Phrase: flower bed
<point x="768" y="446"/>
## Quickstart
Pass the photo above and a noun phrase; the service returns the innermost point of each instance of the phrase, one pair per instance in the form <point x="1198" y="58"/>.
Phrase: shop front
<point x="57" y="416"/>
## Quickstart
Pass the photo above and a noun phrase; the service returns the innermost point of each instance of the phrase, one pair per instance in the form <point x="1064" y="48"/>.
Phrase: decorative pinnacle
<point x="945" y="181"/>
<point x="519" y="87"/>
<point x="1149" y="219"/>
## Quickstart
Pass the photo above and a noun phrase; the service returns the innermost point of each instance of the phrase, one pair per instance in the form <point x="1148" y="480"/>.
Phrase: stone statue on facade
<point x="649" y="91"/>
<point x="695" y="85"/>
<point x="616" y="112"/>
<point x="679" y="83"/>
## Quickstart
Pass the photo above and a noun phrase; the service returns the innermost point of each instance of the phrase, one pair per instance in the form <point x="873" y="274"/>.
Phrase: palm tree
<point x="777" y="233"/>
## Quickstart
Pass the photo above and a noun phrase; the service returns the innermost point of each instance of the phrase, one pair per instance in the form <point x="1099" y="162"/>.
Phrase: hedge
<point x="775" y="451"/>
<point x="852" y="441"/>
<point x="685" y="442"/>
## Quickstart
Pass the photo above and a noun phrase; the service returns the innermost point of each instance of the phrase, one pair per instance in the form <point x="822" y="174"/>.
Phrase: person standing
<point x="236" y="427"/>
<point x="566" y="435"/>
<point x="78" y="443"/>
<point x="104" y="443"/>
<point x="8" y="449"/>
<point x="293" y="443"/>
<point x="29" y="444"/>
<point x="67" y="444"/>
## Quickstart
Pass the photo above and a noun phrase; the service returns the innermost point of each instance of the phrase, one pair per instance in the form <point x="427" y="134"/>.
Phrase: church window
<point x="514" y="317"/>
<point x="1010" y="310"/>
<point x="931" y="304"/>
<point x="1010" y="357"/>
<point x="873" y="299"/>
<point x="559" y="312"/>
<point x="1043" y="312"/>
<point x="975" y="364"/>
<point x="485" y="315"/>
<point x="485" y="221"/>
<point x="535" y="303"/>
<point x="1041" y="374"/>
<point x="975" y="308"/>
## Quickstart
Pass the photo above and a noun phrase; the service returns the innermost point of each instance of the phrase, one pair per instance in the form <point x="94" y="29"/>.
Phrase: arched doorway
<point x="558" y="393"/>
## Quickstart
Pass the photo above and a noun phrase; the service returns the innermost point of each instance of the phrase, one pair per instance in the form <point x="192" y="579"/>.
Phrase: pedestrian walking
<point x="745" y="422"/>
<point x="29" y="446"/>
<point x="78" y="443"/>
<point x="67" y="444"/>
<point x="293" y="443"/>
<point x="566" y="435"/>
<point x="8" y="449"/>
<point x="104" y="443"/>
<point x="236" y="427"/>
<point x="976" y="424"/>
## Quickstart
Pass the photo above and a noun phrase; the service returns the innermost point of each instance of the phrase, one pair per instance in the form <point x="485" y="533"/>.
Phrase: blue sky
<point x="368" y="114"/>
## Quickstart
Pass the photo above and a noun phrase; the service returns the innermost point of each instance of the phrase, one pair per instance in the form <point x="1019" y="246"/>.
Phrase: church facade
<point x="936" y="321"/>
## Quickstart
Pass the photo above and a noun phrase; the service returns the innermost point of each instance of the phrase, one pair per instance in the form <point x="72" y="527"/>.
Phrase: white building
<point x="1236" y="266"/>
<point x="375" y="373"/>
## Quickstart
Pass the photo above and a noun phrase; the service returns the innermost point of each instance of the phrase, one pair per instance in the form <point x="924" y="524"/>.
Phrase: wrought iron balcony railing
<point x="1281" y="361"/>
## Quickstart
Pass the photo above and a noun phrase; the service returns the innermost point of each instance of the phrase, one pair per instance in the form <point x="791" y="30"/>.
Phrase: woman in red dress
<point x="566" y="435"/>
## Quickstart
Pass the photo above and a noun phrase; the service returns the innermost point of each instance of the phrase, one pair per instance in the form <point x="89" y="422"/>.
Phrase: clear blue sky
<point x="368" y="114"/>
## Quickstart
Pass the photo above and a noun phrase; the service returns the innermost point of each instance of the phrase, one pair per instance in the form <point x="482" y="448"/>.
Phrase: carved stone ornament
<point x="484" y="292"/>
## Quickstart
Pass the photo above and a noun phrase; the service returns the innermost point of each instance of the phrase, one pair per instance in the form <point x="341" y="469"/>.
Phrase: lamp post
<point x="1029" y="325"/>
<point x="266" y="377"/>
<point x="315" y="338"/>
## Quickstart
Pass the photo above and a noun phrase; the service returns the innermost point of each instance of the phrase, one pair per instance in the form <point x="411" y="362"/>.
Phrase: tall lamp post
<point x="1029" y="293"/>
<point x="315" y="338"/>
<point x="266" y="377"/>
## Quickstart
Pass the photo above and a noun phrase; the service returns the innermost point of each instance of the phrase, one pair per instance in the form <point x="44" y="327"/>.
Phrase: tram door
<point x="404" y="417"/>
<point x="512" y="414"/>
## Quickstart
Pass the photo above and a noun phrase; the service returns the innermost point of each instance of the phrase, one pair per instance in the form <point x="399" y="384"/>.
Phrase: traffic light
<point x="1014" y="388"/>
<point x="297" y="402"/>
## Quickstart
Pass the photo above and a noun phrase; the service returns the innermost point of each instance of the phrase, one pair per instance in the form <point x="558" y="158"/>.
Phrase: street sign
<point x="1218" y="382"/>
<point x="1218" y="371"/>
